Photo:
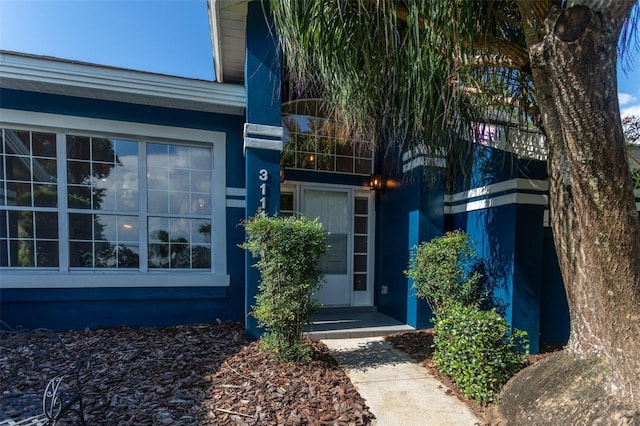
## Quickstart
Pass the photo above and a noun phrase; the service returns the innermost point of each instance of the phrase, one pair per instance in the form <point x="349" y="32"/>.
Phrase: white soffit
<point x="227" y="20"/>
<point x="70" y="78"/>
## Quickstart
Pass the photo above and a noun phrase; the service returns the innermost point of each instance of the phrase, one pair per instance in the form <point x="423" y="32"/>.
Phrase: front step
<point x="347" y="323"/>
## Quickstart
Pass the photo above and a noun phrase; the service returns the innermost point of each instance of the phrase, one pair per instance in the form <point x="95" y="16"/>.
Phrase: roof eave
<point x="216" y="37"/>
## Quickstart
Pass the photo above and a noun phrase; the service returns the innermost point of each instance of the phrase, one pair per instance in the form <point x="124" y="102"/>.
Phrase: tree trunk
<point x="593" y="214"/>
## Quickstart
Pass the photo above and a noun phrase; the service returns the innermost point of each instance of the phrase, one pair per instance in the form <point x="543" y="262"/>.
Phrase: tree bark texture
<point x="593" y="214"/>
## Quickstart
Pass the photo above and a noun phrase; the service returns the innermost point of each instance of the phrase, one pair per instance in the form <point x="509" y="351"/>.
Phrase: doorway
<point x="347" y="213"/>
<point x="332" y="209"/>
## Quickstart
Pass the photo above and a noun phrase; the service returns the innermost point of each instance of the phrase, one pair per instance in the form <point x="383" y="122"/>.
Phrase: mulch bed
<point x="200" y="375"/>
<point x="210" y="375"/>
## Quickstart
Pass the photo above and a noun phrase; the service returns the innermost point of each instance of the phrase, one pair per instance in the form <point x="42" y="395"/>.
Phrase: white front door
<point x="333" y="210"/>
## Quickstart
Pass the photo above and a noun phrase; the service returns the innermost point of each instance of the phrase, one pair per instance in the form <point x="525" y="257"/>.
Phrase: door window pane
<point x="359" y="282"/>
<point x="332" y="210"/>
<point x="360" y="243"/>
<point x="360" y="225"/>
<point x="331" y="207"/>
<point x="286" y="204"/>
<point x="360" y="263"/>
<point x="335" y="261"/>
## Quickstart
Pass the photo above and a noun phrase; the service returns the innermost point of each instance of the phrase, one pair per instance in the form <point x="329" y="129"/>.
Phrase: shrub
<point x="288" y="250"/>
<point x="473" y="347"/>
<point x="440" y="271"/>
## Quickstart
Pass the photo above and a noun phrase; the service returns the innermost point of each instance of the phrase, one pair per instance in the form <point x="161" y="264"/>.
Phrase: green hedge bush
<point x="475" y="349"/>
<point x="288" y="250"/>
<point x="440" y="270"/>
<point x="472" y="346"/>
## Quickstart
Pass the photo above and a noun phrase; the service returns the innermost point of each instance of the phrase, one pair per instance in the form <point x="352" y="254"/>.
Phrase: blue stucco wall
<point x="394" y="206"/>
<point x="493" y="234"/>
<point x="101" y="307"/>
<point x="62" y="309"/>
<point x="508" y="237"/>
<point x="409" y="210"/>
<point x="554" y="310"/>
<point x="262" y="82"/>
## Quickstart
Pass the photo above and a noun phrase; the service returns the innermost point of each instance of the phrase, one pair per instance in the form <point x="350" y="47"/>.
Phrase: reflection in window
<point x="178" y="191"/>
<point x="102" y="174"/>
<point x="179" y="243"/>
<point x="28" y="188"/>
<point x="315" y="143"/>
<point x="178" y="179"/>
<point x="103" y="241"/>
<point x="28" y="169"/>
<point x="105" y="219"/>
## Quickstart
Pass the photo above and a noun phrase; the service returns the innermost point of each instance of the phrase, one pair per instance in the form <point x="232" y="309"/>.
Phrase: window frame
<point x="66" y="277"/>
<point x="291" y="149"/>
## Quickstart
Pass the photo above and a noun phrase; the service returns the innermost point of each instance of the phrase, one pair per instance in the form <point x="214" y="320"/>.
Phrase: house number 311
<point x="263" y="176"/>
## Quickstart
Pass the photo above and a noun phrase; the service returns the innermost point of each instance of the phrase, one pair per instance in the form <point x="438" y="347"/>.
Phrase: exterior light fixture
<point x="376" y="182"/>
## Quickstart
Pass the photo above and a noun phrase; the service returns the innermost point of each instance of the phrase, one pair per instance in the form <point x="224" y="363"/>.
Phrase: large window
<point x="28" y="199"/>
<point x="81" y="203"/>
<point x="316" y="143"/>
<point x="102" y="184"/>
<point x="179" y="205"/>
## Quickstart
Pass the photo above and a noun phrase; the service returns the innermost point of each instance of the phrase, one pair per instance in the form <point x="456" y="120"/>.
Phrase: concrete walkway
<point x="398" y="391"/>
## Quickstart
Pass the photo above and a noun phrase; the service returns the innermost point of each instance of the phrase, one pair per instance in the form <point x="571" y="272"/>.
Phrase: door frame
<point x="357" y="298"/>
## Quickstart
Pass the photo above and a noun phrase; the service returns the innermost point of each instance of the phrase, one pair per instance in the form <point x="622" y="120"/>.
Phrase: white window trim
<point x="63" y="278"/>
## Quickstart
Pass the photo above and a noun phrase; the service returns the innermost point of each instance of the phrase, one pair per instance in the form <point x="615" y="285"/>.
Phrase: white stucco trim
<point x="512" y="184"/>
<point x="423" y="156"/>
<point x="216" y="38"/>
<point x="517" y="198"/>
<point x="424" y="162"/>
<point x="239" y="204"/>
<point x="269" y="144"/>
<point x="252" y="129"/>
<point x="80" y="125"/>
<point x="96" y="81"/>
<point x="262" y="136"/>
<point x="236" y="192"/>
<point x="109" y="279"/>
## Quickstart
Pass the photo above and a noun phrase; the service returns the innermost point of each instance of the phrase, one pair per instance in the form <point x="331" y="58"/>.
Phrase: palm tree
<point x="402" y="71"/>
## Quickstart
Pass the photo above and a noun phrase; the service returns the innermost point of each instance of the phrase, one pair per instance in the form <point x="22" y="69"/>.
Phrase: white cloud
<point x="625" y="98"/>
<point x="632" y="110"/>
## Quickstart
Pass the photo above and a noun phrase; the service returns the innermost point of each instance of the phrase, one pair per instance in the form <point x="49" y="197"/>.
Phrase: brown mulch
<point x="197" y="375"/>
<point x="209" y="375"/>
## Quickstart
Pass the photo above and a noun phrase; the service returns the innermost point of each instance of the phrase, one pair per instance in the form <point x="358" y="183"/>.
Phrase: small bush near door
<point x="475" y="349"/>
<point x="287" y="250"/>
<point x="442" y="274"/>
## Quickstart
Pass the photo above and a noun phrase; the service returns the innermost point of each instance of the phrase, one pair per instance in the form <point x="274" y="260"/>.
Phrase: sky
<point x="163" y="36"/>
